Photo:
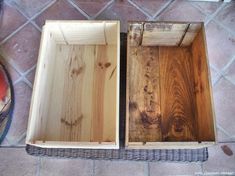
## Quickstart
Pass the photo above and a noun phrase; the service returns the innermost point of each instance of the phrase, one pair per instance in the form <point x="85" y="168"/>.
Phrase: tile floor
<point x="19" y="42"/>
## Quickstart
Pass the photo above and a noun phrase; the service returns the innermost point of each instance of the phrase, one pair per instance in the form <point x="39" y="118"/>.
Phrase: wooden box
<point x="169" y="100"/>
<point x="75" y="101"/>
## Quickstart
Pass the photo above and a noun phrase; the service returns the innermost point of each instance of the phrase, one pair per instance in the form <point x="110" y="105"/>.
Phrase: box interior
<point x="168" y="84"/>
<point x="76" y="87"/>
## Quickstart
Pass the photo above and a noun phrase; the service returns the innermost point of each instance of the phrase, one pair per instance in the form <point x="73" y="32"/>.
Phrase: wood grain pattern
<point x="163" y="34"/>
<point x="190" y="34"/>
<point x="177" y="94"/>
<point x="81" y="71"/>
<point x="181" y="109"/>
<point x="144" y="94"/>
<point x="76" y="93"/>
<point x="135" y="34"/>
<point x="206" y="129"/>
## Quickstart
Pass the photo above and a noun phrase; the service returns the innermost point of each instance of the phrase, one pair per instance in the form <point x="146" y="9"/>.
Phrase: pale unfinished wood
<point x="135" y="34"/>
<point x="75" y="97"/>
<point x="163" y="34"/>
<point x="190" y="34"/>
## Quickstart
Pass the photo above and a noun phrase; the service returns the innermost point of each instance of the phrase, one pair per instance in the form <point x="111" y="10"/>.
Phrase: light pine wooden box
<point x="169" y="96"/>
<point x="75" y="101"/>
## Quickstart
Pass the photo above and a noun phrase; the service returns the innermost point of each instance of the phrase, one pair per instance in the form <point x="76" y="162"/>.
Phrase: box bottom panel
<point x="161" y="94"/>
<point x="81" y="87"/>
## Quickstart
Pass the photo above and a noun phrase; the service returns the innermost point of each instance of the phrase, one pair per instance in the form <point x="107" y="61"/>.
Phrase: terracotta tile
<point x="208" y="7"/>
<point x="123" y="11"/>
<point x="150" y="6"/>
<point x="227" y="15"/>
<point x="219" y="161"/>
<point x="30" y="76"/>
<point x="16" y="162"/>
<point x="10" y="21"/>
<point x="91" y="7"/>
<point x="224" y="96"/>
<point x="60" y="10"/>
<point x="22" y="48"/>
<point x="63" y="167"/>
<point x="30" y="7"/>
<point x="11" y="70"/>
<point x="123" y="168"/>
<point x="221" y="45"/>
<point x="21" y="112"/>
<point x="181" y="11"/>
<point x="167" y="168"/>
<point x="230" y="72"/>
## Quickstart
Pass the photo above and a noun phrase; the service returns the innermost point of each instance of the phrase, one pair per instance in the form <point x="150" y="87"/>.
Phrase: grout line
<point x="227" y="142"/>
<point x="36" y="26"/>
<point x="14" y="32"/>
<point x="42" y="10"/>
<point x="38" y="166"/>
<point x="230" y="80"/>
<point x="39" y="12"/>
<point x="17" y="81"/>
<point x="79" y="9"/>
<point x="7" y="142"/>
<point x="141" y="10"/>
<point x="217" y="72"/>
<point x="148" y="169"/>
<point x="163" y="8"/>
<point x="223" y="130"/>
<point x="217" y="80"/>
<point x="103" y="9"/>
<point x="30" y="69"/>
<point x="201" y="166"/>
<point x="13" y="147"/>
<point x="28" y="82"/>
<point x="27" y="22"/>
<point x="23" y="13"/>
<point x="215" y="13"/>
<point x="225" y="27"/>
<point x="16" y="143"/>
<point x="170" y="4"/>
<point x="198" y="8"/>
<point x="224" y="69"/>
<point x="93" y="168"/>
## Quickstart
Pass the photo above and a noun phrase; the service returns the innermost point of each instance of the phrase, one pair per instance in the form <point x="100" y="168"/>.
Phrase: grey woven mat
<point x="185" y="155"/>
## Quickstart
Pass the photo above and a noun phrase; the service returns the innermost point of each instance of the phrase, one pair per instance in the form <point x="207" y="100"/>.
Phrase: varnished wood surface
<point x="182" y="109"/>
<point x="161" y="94"/>
<point x="203" y="92"/>
<point x="177" y="94"/>
<point x="144" y="94"/>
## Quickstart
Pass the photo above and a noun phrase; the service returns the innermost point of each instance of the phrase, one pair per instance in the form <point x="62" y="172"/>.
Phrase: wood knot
<point x="71" y="123"/>
<point x="76" y="72"/>
<point x="104" y="65"/>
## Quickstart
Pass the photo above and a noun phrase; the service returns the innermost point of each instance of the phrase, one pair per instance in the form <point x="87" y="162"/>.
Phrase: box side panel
<point x="40" y="102"/>
<point x="203" y="93"/>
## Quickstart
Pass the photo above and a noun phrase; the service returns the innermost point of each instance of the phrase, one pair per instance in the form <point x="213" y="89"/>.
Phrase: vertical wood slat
<point x="177" y="94"/>
<point x="203" y="89"/>
<point x="144" y="94"/>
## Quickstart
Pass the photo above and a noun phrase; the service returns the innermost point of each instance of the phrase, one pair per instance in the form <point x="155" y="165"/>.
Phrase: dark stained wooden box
<point x="169" y="97"/>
